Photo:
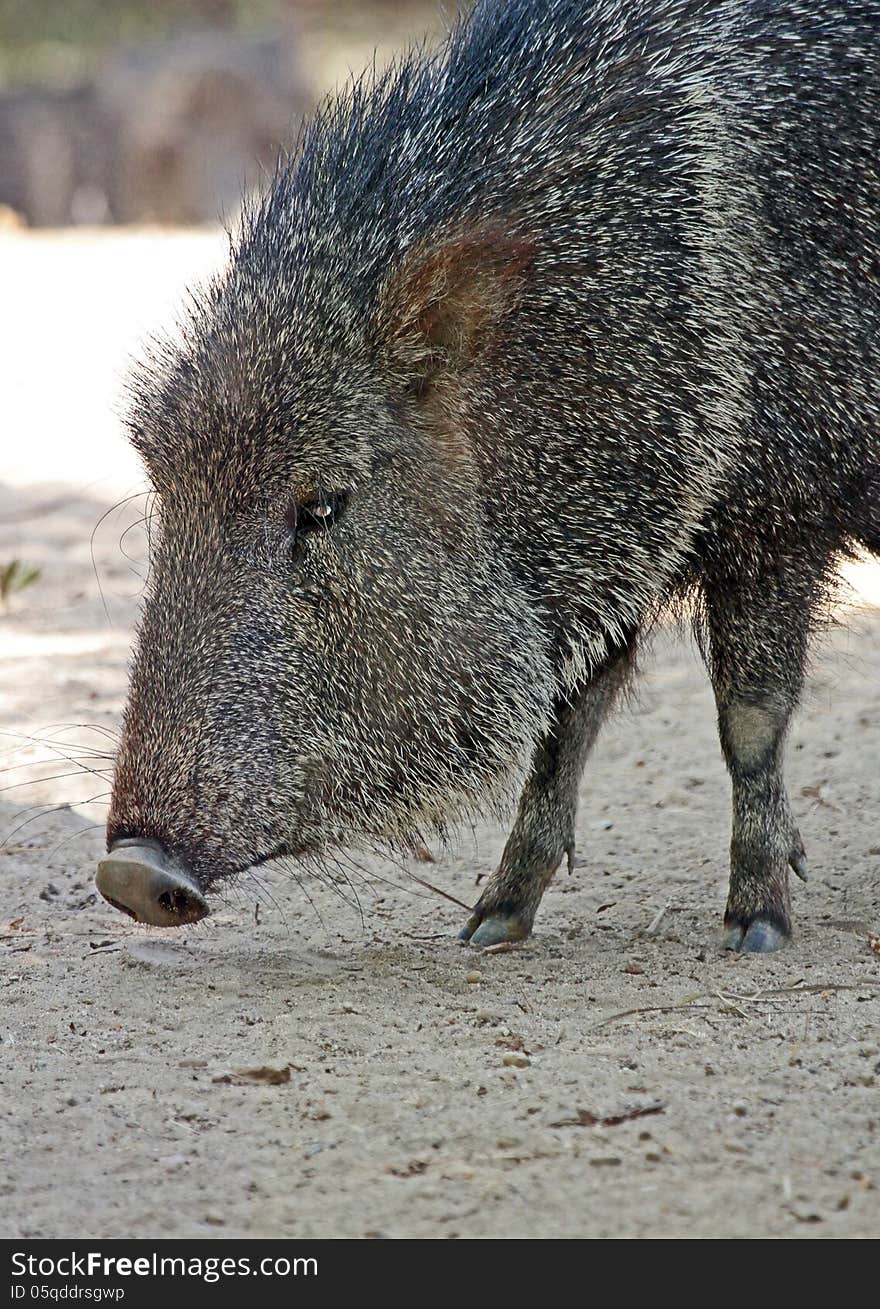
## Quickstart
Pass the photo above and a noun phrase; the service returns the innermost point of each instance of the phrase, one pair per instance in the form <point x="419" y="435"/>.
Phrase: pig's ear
<point x="443" y="308"/>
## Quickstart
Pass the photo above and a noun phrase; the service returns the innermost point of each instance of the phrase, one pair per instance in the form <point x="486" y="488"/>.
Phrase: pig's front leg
<point x="544" y="829"/>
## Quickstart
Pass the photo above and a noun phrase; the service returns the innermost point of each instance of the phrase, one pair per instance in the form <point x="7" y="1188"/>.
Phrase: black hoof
<point x="760" y="936"/>
<point x="494" y="929"/>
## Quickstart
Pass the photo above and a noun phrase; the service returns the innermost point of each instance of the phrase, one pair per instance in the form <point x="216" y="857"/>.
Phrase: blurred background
<point x="129" y="130"/>
<point x="132" y="111"/>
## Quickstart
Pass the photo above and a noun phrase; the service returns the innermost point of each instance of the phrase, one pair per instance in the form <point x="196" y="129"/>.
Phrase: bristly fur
<point x="581" y="311"/>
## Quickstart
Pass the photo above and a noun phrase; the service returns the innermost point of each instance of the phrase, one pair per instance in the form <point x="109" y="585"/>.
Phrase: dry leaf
<point x="263" y="1076"/>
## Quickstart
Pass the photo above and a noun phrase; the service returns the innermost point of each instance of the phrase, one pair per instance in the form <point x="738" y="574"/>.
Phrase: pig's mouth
<point x="142" y="880"/>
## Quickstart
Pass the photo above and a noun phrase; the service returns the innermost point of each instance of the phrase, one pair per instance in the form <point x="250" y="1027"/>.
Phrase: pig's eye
<point x="318" y="513"/>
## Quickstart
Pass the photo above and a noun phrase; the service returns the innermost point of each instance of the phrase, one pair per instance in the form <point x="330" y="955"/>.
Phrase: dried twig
<point x="733" y="1000"/>
<point x="586" y="1118"/>
<point x="657" y="919"/>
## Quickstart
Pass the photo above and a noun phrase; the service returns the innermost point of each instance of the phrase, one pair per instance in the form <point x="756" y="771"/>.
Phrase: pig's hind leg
<point x="757" y="643"/>
<point x="544" y="829"/>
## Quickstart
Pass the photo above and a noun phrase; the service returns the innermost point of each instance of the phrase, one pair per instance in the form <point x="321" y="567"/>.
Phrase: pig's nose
<point x="143" y="880"/>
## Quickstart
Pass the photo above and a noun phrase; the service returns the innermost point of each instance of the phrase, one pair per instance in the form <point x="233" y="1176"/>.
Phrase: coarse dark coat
<point x="534" y="335"/>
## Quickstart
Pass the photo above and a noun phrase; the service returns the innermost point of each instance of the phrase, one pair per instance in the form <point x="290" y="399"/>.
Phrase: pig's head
<point x="334" y="648"/>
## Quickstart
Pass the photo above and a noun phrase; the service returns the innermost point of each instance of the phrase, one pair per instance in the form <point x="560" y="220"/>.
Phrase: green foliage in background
<point x="15" y="576"/>
<point x="59" y="41"/>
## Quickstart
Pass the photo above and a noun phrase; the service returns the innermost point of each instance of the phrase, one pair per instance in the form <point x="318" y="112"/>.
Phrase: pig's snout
<point x="144" y="881"/>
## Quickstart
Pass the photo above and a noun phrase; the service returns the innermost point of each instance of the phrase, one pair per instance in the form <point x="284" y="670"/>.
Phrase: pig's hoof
<point x="494" y="929"/>
<point x="759" y="936"/>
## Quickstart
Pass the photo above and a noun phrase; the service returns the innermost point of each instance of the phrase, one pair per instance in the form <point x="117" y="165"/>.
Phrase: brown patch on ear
<point x="442" y="309"/>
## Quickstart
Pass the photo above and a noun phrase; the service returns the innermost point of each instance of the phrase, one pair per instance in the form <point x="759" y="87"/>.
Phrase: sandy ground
<point x="621" y="1076"/>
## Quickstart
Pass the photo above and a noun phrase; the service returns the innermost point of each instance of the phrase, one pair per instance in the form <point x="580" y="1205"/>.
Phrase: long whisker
<point x="51" y="763"/>
<point x="52" y="742"/>
<point x="229" y="889"/>
<point x="56" y="777"/>
<point x="90" y="827"/>
<point x="71" y="760"/>
<point x="338" y="890"/>
<point x="141" y="522"/>
<point x="50" y="809"/>
<point x="341" y="858"/>
<point x="119" y="504"/>
<point x="43" y="812"/>
<point x="290" y="865"/>
<point x="106" y="728"/>
<point x="387" y="854"/>
<point x="261" y="889"/>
